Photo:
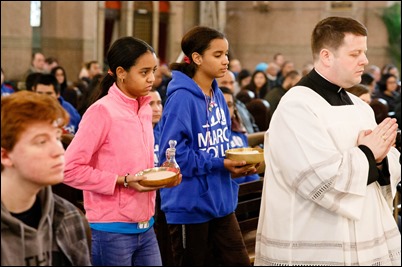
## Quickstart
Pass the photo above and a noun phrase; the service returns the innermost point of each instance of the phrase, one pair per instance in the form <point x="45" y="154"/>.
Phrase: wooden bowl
<point x="158" y="176"/>
<point x="249" y="154"/>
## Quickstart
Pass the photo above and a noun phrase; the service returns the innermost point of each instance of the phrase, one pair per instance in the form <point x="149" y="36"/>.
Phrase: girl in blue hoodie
<point x="200" y="211"/>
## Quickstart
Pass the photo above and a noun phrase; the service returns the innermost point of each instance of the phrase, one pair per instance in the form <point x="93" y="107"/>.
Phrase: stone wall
<point x="71" y="31"/>
<point x="255" y="36"/>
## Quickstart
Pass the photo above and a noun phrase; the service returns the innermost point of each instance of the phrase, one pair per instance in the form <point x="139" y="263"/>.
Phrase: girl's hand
<point x="239" y="168"/>
<point x="133" y="182"/>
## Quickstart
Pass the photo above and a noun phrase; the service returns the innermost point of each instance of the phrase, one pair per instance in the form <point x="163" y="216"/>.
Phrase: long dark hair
<point x="124" y="52"/>
<point x="63" y="85"/>
<point x="197" y="40"/>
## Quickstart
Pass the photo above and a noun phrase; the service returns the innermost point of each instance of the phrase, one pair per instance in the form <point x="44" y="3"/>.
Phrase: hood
<point x="17" y="238"/>
<point x="182" y="81"/>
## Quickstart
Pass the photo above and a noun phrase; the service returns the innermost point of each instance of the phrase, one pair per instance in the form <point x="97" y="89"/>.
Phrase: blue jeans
<point x="114" y="249"/>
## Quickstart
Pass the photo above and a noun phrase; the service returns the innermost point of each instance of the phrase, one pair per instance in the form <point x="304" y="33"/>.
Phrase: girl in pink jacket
<point x="114" y="142"/>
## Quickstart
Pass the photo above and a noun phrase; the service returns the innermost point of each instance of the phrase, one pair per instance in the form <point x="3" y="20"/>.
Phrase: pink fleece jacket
<point x="114" y="137"/>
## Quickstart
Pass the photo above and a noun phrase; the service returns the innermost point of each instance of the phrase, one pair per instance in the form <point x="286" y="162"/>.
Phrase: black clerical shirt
<point x="337" y="96"/>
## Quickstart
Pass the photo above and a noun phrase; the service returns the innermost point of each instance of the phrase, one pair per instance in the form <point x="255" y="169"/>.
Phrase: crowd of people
<point x="331" y="167"/>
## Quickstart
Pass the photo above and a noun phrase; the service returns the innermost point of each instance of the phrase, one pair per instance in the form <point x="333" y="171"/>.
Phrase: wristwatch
<point x="125" y="183"/>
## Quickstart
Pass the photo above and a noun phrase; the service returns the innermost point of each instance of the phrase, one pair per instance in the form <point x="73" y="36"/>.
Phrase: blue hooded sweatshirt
<point x="157" y="133"/>
<point x="201" y="127"/>
<point x="75" y="117"/>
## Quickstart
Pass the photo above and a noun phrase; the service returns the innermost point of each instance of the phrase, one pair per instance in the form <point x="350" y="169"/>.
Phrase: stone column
<point x="100" y="37"/>
<point x="155" y="26"/>
<point x="127" y="18"/>
<point x="70" y="33"/>
<point x="16" y="39"/>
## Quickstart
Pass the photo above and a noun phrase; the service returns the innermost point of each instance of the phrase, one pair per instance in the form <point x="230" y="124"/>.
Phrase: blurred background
<point x="78" y="32"/>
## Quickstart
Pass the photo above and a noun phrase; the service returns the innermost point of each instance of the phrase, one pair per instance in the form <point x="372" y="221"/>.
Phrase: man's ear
<point x="5" y="158"/>
<point x="326" y="57"/>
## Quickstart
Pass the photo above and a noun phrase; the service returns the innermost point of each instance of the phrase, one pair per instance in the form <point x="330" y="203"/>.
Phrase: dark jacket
<point x="60" y="239"/>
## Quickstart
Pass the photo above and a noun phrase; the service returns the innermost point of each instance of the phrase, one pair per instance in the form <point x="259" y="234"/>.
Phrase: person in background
<point x="37" y="64"/>
<point x="388" y="90"/>
<point x="5" y="88"/>
<point x="50" y="63"/>
<point x="258" y="84"/>
<point x="167" y="74"/>
<point x="235" y="66"/>
<point x="243" y="79"/>
<point x="287" y="67"/>
<point x="361" y="91"/>
<point x="369" y="82"/>
<point x="255" y="137"/>
<point x="37" y="226"/>
<point x="200" y="211"/>
<point x="161" y="229"/>
<point x="83" y="74"/>
<point x="69" y="93"/>
<point x="157" y="107"/>
<point x="262" y="66"/>
<point x="114" y="142"/>
<point x="390" y="69"/>
<point x="89" y="93"/>
<point x="307" y="67"/>
<point x="245" y="117"/>
<point x="331" y="170"/>
<point x="375" y="72"/>
<point x="275" y="94"/>
<point x="279" y="59"/>
<point x="238" y="136"/>
<point x="31" y="80"/>
<point x="93" y="68"/>
<point x="160" y="84"/>
<point x="272" y="75"/>
<point x="47" y="84"/>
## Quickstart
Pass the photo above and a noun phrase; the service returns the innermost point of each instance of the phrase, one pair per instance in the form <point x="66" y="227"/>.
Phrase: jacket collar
<point x="115" y="92"/>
